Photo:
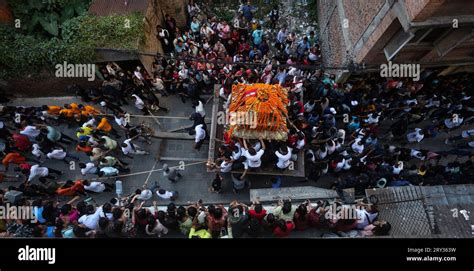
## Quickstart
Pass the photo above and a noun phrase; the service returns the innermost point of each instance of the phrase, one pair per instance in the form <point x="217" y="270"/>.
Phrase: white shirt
<point x="331" y="149"/>
<point x="398" y="168"/>
<point x="451" y="124"/>
<point x="356" y="147"/>
<point x="320" y="155"/>
<point x="92" y="221"/>
<point x="371" y="119"/>
<point x="30" y="131"/>
<point x="59" y="154"/>
<point x="347" y="164"/>
<point x="237" y="154"/>
<point x="97" y="187"/>
<point x="283" y="160"/>
<point x="128" y="149"/>
<point x="200" y="109"/>
<point x="90" y="123"/>
<point x="166" y="195"/>
<point x="121" y="121"/>
<point x="37" y="151"/>
<point x="36" y="170"/>
<point x="138" y="75"/>
<point x="464" y="134"/>
<point x="414" y="136"/>
<point x="158" y="84"/>
<point x="252" y="160"/>
<point x="225" y="166"/>
<point x="416" y="154"/>
<point x="300" y="144"/>
<point x="146" y="194"/>
<point x="89" y="169"/>
<point x="139" y="102"/>
<point x="340" y="165"/>
<point x="309" y="107"/>
<point x="200" y="133"/>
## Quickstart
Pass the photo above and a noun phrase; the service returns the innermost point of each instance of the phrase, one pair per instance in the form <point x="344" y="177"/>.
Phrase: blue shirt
<point x="39" y="214"/>
<point x="195" y="26"/>
<point x="277" y="184"/>
<point x="109" y="171"/>
<point x="302" y="47"/>
<point x="247" y="12"/>
<point x="257" y="36"/>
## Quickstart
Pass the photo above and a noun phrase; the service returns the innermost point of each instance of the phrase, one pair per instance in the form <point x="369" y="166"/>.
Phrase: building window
<point x="396" y="43"/>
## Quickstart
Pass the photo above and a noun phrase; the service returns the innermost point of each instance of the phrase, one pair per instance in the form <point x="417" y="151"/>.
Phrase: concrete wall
<point x="372" y="24"/>
<point x="155" y="13"/>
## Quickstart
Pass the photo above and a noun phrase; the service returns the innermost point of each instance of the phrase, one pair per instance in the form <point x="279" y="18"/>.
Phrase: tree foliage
<point x="22" y="53"/>
<point x="45" y="17"/>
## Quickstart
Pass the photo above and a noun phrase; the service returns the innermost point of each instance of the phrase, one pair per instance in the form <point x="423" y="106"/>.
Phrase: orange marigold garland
<point x="260" y="110"/>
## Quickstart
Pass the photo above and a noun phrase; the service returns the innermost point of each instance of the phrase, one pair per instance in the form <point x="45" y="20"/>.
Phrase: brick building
<point x="434" y="33"/>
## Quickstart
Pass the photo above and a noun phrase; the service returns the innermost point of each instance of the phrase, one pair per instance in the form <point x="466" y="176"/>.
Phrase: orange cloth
<point x="13" y="157"/>
<point x="54" y="109"/>
<point x="89" y="111"/>
<point x="68" y="113"/>
<point x="71" y="191"/>
<point x="104" y="125"/>
<point x="85" y="149"/>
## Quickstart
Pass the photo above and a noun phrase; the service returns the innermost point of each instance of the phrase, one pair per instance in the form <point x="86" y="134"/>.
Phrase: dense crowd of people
<point x="366" y="133"/>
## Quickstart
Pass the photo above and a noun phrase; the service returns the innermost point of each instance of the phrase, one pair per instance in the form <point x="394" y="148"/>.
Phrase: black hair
<point x="142" y="214"/>
<point x="218" y="213"/>
<point x="382" y="230"/>
<point x="151" y="221"/>
<point x="280" y="223"/>
<point x="66" y="209"/>
<point x="258" y="208"/>
<point x="271" y="218"/>
<point x="286" y="207"/>
<point x="107" y="207"/>
<point x="90" y="209"/>
<point x="302" y="211"/>
<point x="117" y="213"/>
<point x="103" y="223"/>
<point x="192" y="211"/>
<point x="79" y="232"/>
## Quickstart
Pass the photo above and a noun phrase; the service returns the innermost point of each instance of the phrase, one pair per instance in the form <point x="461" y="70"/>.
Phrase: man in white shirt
<point x="453" y="122"/>
<point x="199" y="108"/>
<point x="415" y="136"/>
<point x="200" y="136"/>
<point x="31" y="132"/>
<point x="164" y="194"/>
<point x="91" y="221"/>
<point x="140" y="104"/>
<point x="358" y="146"/>
<point x="37" y="171"/>
<point x="284" y="156"/>
<point x="60" y="154"/>
<point x="129" y="148"/>
<point x="253" y="157"/>
<point x="143" y="194"/>
<point x="88" y="168"/>
<point x="96" y="187"/>
<point x="396" y="169"/>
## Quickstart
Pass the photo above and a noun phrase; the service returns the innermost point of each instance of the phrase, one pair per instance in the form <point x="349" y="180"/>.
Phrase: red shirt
<point x="259" y="216"/>
<point x="289" y="227"/>
<point x="22" y="142"/>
